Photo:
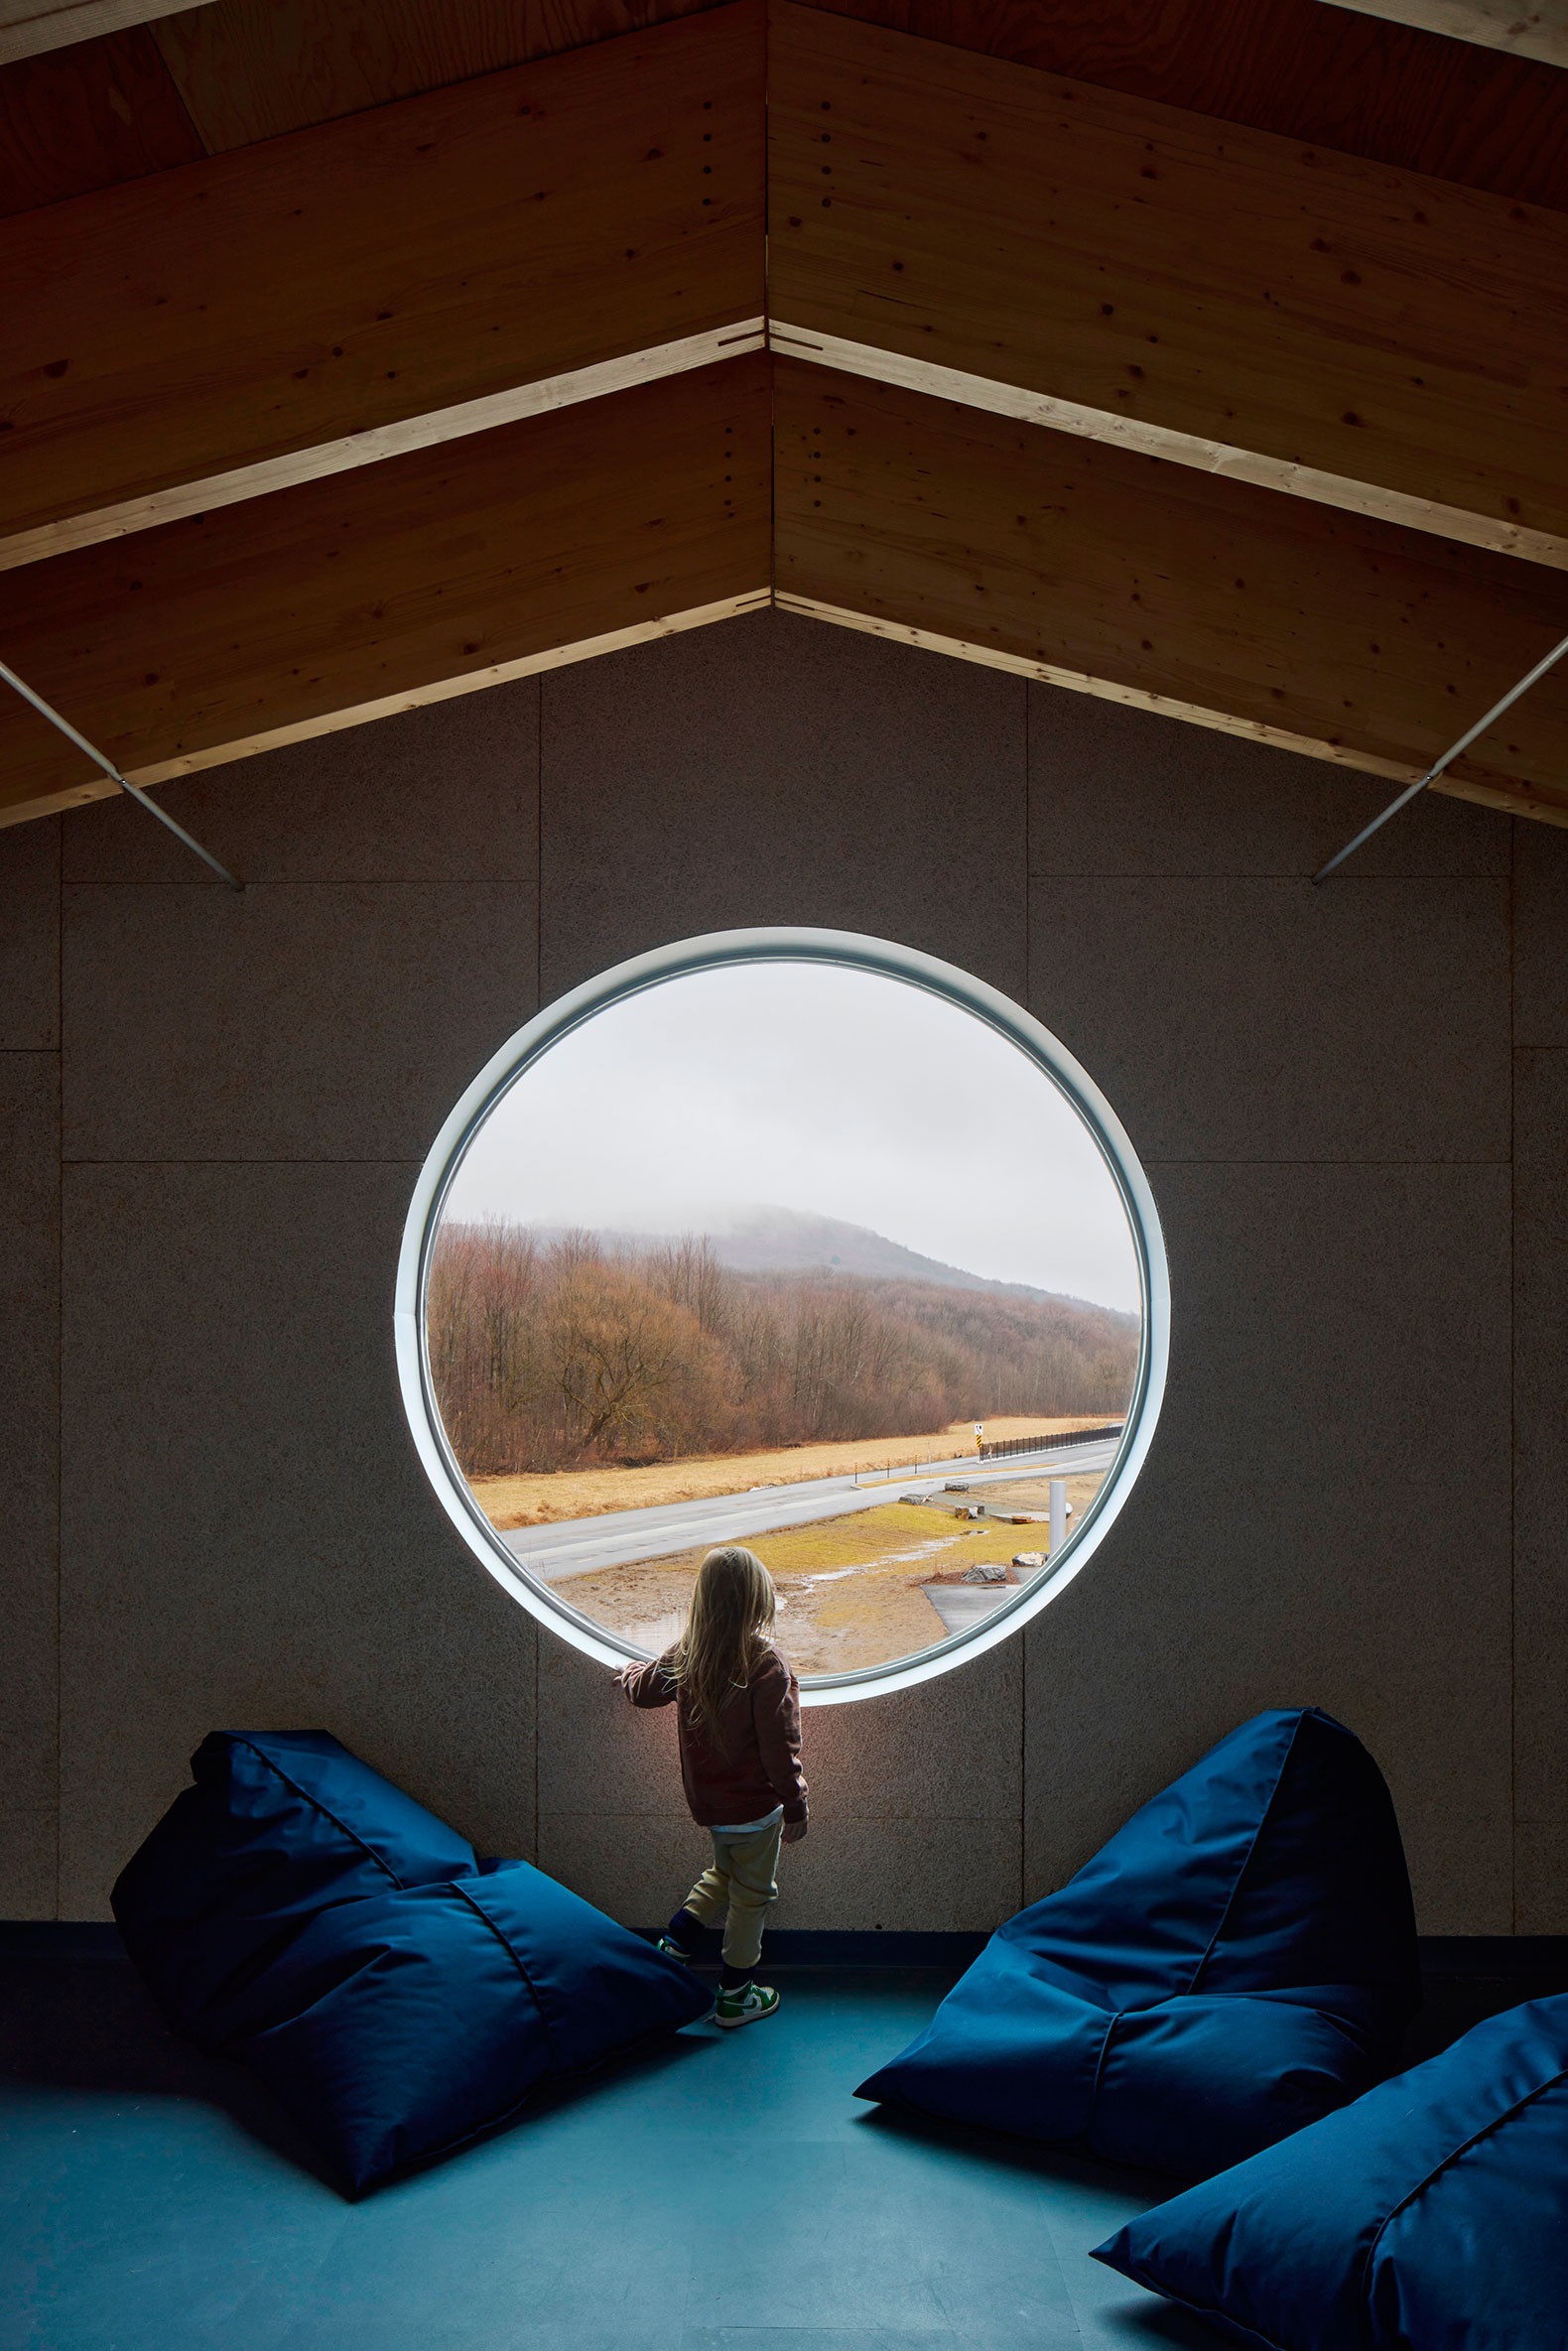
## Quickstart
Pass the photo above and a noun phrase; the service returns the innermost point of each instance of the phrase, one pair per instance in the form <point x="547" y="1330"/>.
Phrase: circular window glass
<point x="797" y="1239"/>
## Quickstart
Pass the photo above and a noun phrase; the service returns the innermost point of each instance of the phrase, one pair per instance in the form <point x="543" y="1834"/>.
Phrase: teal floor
<point x="727" y="2195"/>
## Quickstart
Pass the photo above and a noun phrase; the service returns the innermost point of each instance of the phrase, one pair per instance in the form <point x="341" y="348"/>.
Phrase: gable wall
<point x="1353" y="1104"/>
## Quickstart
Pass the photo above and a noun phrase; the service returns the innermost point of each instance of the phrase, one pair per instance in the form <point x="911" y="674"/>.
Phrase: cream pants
<point x="736" y="1888"/>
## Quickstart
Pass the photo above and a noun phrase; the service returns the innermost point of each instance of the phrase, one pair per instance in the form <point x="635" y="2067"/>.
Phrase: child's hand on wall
<point x="794" y="1830"/>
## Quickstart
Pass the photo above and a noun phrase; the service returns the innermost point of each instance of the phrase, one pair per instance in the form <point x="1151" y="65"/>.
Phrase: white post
<point x="1058" y="1514"/>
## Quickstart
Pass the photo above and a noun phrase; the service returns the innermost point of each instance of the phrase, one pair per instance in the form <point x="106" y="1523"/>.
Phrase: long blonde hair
<point x="731" y="1617"/>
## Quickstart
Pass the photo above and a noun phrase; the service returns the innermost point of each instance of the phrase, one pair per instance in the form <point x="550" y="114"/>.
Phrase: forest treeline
<point x="554" y="1352"/>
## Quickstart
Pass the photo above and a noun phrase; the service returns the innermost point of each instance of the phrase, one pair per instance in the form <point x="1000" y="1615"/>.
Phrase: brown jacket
<point x="757" y="1763"/>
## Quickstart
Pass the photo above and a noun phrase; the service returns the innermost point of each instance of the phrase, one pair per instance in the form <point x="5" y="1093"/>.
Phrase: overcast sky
<point x="809" y="1087"/>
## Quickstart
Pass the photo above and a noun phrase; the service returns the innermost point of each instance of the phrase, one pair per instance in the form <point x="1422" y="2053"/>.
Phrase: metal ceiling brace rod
<point x="46" y="711"/>
<point x="1449" y="756"/>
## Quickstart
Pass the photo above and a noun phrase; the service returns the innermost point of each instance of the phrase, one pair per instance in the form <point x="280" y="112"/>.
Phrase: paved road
<point x="576" y="1546"/>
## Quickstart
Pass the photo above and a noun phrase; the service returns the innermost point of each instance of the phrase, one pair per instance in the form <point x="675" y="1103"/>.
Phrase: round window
<point x="798" y="1239"/>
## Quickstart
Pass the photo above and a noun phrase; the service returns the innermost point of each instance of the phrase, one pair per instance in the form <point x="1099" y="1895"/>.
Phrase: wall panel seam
<point x="59" y="1370"/>
<point x="233" y="1159"/>
<point x="319" y="881"/>
<point x="1202" y="873"/>
<point x="311" y="881"/>
<point x="1513" y="1376"/>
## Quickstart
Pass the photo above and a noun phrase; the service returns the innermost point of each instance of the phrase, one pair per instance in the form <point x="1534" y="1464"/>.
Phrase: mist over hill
<point x="787" y="1240"/>
<point x="762" y="1239"/>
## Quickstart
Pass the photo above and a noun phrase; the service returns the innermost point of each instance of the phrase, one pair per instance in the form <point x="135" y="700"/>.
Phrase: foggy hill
<point x="786" y="1241"/>
<point x="768" y="1240"/>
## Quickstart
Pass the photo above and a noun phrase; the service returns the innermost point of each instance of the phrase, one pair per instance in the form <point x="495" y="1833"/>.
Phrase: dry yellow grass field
<point x="850" y="1588"/>
<point x="541" y="1498"/>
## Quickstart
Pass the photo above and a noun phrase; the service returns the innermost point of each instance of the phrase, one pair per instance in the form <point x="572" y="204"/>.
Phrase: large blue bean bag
<point x="1432" y="2215"/>
<point x="1238" y="1960"/>
<point x="279" y="1825"/>
<point x="297" y="1910"/>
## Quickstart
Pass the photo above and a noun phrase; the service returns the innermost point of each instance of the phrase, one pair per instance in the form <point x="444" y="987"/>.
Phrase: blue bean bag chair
<point x="1238" y="1960"/>
<point x="1432" y="2215"/>
<point x="401" y="1997"/>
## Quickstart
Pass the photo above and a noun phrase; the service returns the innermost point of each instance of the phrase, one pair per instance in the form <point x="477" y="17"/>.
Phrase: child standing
<point x="738" y="1713"/>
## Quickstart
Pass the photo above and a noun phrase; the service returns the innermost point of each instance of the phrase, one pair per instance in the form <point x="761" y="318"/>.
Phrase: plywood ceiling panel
<point x="76" y="119"/>
<point x="1324" y="75"/>
<point x="252" y="69"/>
<point x="1374" y="340"/>
<point x="432" y="575"/>
<point x="382" y="272"/>
<point x="1100" y="569"/>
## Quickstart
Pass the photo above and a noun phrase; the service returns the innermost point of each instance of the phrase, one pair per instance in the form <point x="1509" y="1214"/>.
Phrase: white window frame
<point x="784" y="944"/>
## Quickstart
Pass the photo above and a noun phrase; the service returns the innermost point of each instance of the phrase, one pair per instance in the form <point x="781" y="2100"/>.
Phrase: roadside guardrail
<point x="1005" y="1447"/>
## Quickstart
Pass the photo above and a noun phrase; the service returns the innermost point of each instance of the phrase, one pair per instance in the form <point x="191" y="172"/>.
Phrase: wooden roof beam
<point x="1389" y="345"/>
<point x="1537" y="29"/>
<point x="597" y="526"/>
<point x="1115" y="573"/>
<point x="382" y="284"/>
<point x="352" y="597"/>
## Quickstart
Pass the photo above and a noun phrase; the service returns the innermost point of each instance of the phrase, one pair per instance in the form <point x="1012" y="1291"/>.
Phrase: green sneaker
<point x="671" y="1949"/>
<point x="748" y="2004"/>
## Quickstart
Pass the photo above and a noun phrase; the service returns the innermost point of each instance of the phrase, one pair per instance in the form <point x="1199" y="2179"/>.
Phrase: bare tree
<point x="568" y="1352"/>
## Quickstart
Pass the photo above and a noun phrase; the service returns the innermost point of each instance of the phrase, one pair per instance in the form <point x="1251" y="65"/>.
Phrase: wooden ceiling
<point x="167" y="89"/>
<point x="1210" y="354"/>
